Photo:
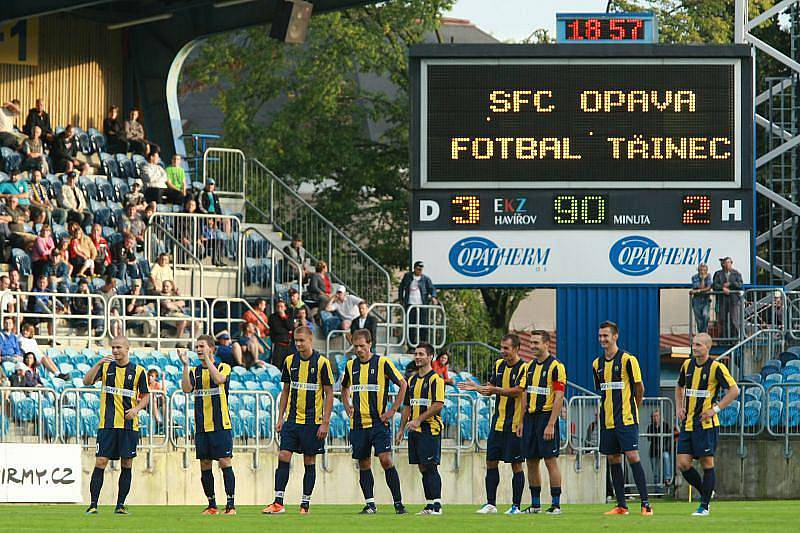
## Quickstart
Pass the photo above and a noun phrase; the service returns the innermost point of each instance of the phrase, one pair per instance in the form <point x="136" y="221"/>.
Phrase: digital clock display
<point x="616" y="29"/>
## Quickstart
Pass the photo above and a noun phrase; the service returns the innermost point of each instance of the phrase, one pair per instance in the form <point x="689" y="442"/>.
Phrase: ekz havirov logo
<point x="478" y="256"/>
<point x="636" y="255"/>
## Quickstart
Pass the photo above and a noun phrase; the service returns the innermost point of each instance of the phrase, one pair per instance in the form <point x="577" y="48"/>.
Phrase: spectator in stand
<point x="152" y="379"/>
<point x="33" y="152"/>
<point x="15" y="281"/>
<point x="155" y="177"/>
<point x="659" y="448"/>
<point x="176" y="181"/>
<point x="319" y="287"/>
<point x="134" y="134"/>
<point x="132" y="222"/>
<point x="301" y="319"/>
<point x="190" y="206"/>
<point x="280" y="333"/>
<point x="38" y="118"/>
<point x="441" y="366"/>
<point x="728" y="281"/>
<point x="20" y="238"/>
<point x="65" y="151"/>
<point x="228" y="352"/>
<point x="295" y="303"/>
<point x="108" y="291"/>
<point x="9" y="342"/>
<point x="297" y="253"/>
<point x="58" y="272"/>
<point x="18" y="377"/>
<point x="364" y="320"/>
<point x="701" y="298"/>
<point x="83" y="307"/>
<point x="4" y="382"/>
<point x="82" y="252"/>
<point x="250" y="346"/>
<point x="43" y="305"/>
<point x="173" y="307"/>
<point x="28" y="345"/>
<point x="138" y="307"/>
<point x="40" y="199"/>
<point x="125" y="264"/>
<point x="340" y="311"/>
<point x="258" y="317"/>
<point x="9" y="136"/>
<point x="160" y="272"/>
<point x="43" y="248"/>
<point x="74" y="201"/>
<point x="114" y="132"/>
<point x="135" y="197"/>
<point x="32" y="377"/>
<point x="103" y="259"/>
<point x="7" y="298"/>
<point x="208" y="200"/>
<point x="17" y="188"/>
<point x="417" y="289"/>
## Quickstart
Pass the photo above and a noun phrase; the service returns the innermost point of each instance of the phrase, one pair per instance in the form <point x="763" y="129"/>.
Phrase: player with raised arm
<point x="367" y="378"/>
<point x="212" y="420"/>
<point x="618" y="378"/>
<point x="423" y="403"/>
<point x="123" y="394"/>
<point x="304" y="416"/>
<point x="503" y="444"/>
<point x="542" y="389"/>
<point x="699" y="382"/>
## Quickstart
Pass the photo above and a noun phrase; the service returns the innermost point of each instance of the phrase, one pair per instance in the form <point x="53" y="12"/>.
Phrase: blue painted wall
<point x="579" y="310"/>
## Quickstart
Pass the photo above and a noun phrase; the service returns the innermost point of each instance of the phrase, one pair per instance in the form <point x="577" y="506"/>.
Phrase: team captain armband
<point x="559" y="386"/>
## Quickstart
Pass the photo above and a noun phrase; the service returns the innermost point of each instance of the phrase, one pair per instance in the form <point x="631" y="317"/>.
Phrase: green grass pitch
<point x="669" y="516"/>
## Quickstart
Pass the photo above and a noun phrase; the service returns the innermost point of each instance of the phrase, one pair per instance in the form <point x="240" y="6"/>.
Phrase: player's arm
<point x="523" y="383"/>
<point x="144" y="397"/>
<point x="723" y="376"/>
<point x="282" y="407"/>
<point x="186" y="379"/>
<point x="434" y="409"/>
<point x="346" y="380"/>
<point x="638" y="393"/>
<point x="398" y="438"/>
<point x="635" y="377"/>
<point x="218" y="377"/>
<point x="327" y="407"/>
<point x="398" y="401"/>
<point x="91" y="376"/>
<point x="680" y="401"/>
<point x="511" y="392"/>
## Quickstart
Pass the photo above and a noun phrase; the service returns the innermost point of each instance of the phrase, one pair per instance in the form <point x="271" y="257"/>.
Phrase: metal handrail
<point x="773" y="336"/>
<point x="29" y="392"/>
<point x="272" y="250"/>
<point x="433" y="327"/>
<point x="714" y="303"/>
<point x="158" y="318"/>
<point x="228" y="319"/>
<point x="223" y="187"/>
<point x="787" y="434"/>
<point x="148" y="243"/>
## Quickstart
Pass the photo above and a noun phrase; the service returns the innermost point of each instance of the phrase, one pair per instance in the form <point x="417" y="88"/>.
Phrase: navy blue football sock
<point x="555" y="494"/>
<point x="367" y="483"/>
<point x="124" y="485"/>
<point x="536" y="496"/>
<point x="207" y="479"/>
<point x="693" y="477"/>
<point x="426" y="486"/>
<point x="281" y="479"/>
<point x="309" y="479"/>
<point x="517" y="488"/>
<point x="709" y="480"/>
<point x="230" y="484"/>
<point x="96" y="484"/>
<point x="393" y="481"/>
<point x="619" y="484"/>
<point x="492" y="481"/>
<point x="435" y="481"/>
<point x="641" y="481"/>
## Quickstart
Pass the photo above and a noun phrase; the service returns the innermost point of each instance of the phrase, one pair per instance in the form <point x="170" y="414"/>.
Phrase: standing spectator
<point x="176" y="181"/>
<point x="280" y="333"/>
<point x="208" y="200"/>
<point x="9" y="342"/>
<point x="38" y="118"/>
<point x="9" y="136"/>
<point x="155" y="177"/>
<point x="58" y="272"/>
<point x="417" y="289"/>
<point x="132" y="222"/>
<point x="340" y="311"/>
<point x="729" y="281"/>
<point x="319" y="287"/>
<point x="441" y="366"/>
<point x="135" y="197"/>
<point x="297" y="253"/>
<point x="301" y="320"/>
<point x="40" y="199"/>
<point x="365" y="320"/>
<point x="74" y="201"/>
<point x="33" y="150"/>
<point x="701" y="298"/>
<point x="114" y="132"/>
<point x="32" y="377"/>
<point x="43" y="248"/>
<point x="65" y="151"/>
<point x="659" y="449"/>
<point x="103" y="259"/>
<point x="295" y="303"/>
<point x="82" y="252"/>
<point x="258" y="317"/>
<point x="17" y="188"/>
<point x="160" y="272"/>
<point x="250" y="346"/>
<point x="125" y="263"/>
<point x="134" y="134"/>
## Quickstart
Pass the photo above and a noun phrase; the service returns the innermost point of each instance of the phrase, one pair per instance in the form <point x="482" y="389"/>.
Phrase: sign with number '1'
<point x="19" y="42"/>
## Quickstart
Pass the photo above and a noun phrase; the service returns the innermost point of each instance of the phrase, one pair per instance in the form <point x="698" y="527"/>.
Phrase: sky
<point x="516" y="19"/>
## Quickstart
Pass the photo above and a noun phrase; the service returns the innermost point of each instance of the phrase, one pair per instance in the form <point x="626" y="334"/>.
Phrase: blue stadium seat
<point x="752" y="393"/>
<point x="69" y="422"/>
<point x="144" y="423"/>
<point x="248" y="402"/>
<point x="11" y="160"/>
<point x="89" y="423"/>
<point x="120" y="189"/>
<point x="771" y="379"/>
<point x="178" y="424"/>
<point x="235" y="385"/>
<point x="730" y="415"/>
<point x="788" y="371"/>
<point x="785" y="357"/>
<point x="794" y="414"/>
<point x="265" y="427"/>
<point x="8" y="367"/>
<point x="248" y="423"/>
<point x="252" y="385"/>
<point x="90" y="401"/>
<point x="172" y="372"/>
<point x="49" y="418"/>
<point x="774" y="414"/>
<point x="752" y="413"/>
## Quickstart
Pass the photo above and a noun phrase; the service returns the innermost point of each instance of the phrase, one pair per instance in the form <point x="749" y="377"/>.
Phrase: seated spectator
<point x="364" y="320"/>
<point x="251" y="348"/>
<point x="108" y="290"/>
<point x="301" y="319"/>
<point x="74" y="201"/>
<point x="7" y="298"/>
<point x="32" y="377"/>
<point x="82" y="252"/>
<point x="190" y="206"/>
<point x="297" y="253"/>
<point x="103" y="259"/>
<point x="58" y="272"/>
<point x="152" y="380"/>
<point x="441" y="365"/>
<point x="176" y="181"/>
<point x="20" y="238"/>
<point x="280" y="333"/>
<point x="9" y="136"/>
<point x="134" y="134"/>
<point x="38" y="118"/>
<point x="33" y="152"/>
<point x="160" y="272"/>
<point x="9" y="342"/>
<point x="125" y="263"/>
<point x="114" y="132"/>
<point x="132" y="222"/>
<point x="208" y="200"/>
<point x="228" y="353"/>
<point x="135" y="197"/>
<point x="174" y="307"/>
<point x="15" y="281"/>
<point x="139" y="307"/>
<point x="155" y="179"/>
<point x="4" y="382"/>
<point x="319" y="287"/>
<point x="43" y="248"/>
<point x="295" y="303"/>
<point x="258" y="317"/>
<point x="43" y="305"/>
<point x="17" y="188"/>
<point x="29" y="345"/>
<point x="18" y="377"/>
<point x="340" y="311"/>
<point x="83" y="306"/>
<point x="65" y="151"/>
<point x="40" y="199"/>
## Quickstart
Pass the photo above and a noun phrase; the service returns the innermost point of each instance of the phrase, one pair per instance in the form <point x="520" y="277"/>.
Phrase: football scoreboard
<point x="581" y="163"/>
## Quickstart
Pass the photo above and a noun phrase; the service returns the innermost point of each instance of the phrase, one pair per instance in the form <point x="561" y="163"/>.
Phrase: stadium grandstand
<point x="115" y="221"/>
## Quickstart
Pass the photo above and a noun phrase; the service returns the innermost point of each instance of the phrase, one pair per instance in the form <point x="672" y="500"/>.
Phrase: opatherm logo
<point x="478" y="256"/>
<point x="636" y="255"/>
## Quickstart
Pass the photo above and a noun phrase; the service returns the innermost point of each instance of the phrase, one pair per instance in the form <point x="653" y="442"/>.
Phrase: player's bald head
<point x="704" y="338"/>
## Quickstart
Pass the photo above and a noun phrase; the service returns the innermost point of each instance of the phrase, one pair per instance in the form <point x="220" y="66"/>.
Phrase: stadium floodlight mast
<point x="231" y="3"/>
<point x="137" y="22"/>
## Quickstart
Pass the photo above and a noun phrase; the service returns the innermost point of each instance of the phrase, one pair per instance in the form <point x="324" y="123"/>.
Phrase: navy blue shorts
<point x="424" y="448"/>
<point x="534" y="445"/>
<point x="117" y="443"/>
<point x="699" y="442"/>
<point x="301" y="438"/>
<point x="504" y="446"/>
<point x="619" y="440"/>
<point x="214" y="444"/>
<point x="363" y="440"/>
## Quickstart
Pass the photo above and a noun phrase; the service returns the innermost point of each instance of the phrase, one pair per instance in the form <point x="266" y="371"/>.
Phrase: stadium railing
<point x="196" y="146"/>
<point x="56" y="311"/>
<point x="160" y="239"/>
<point x="723" y="326"/>
<point x="783" y="413"/>
<point x="390" y="331"/>
<point x="195" y="313"/>
<point x="764" y="308"/>
<point x="218" y="237"/>
<point x="28" y="413"/>
<point x="749" y="420"/>
<point x="793" y="314"/>
<point x="228" y="168"/>
<point x="426" y="323"/>
<point x="747" y="356"/>
<point x="227" y="313"/>
<point x="279" y="274"/>
<point x="658" y="470"/>
<point x="474" y="357"/>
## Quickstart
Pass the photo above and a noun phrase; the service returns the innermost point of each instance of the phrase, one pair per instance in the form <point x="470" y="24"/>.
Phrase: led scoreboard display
<point x="617" y="28"/>
<point x="559" y="163"/>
